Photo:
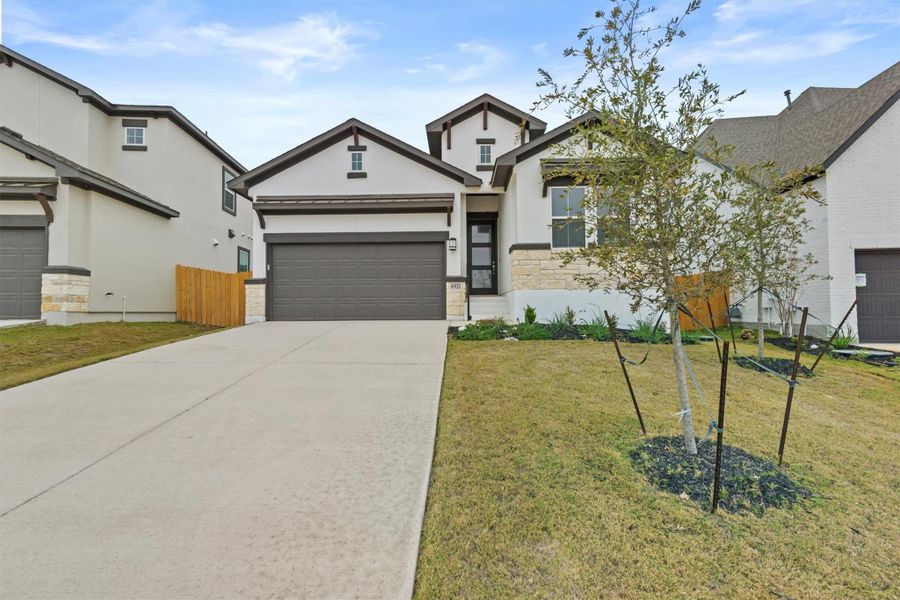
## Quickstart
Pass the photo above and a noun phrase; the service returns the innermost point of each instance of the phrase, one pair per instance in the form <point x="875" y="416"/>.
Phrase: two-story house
<point x="100" y="201"/>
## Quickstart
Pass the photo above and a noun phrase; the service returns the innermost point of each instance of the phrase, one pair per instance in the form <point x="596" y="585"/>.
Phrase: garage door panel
<point x="23" y="255"/>
<point x="358" y="281"/>
<point x="878" y="308"/>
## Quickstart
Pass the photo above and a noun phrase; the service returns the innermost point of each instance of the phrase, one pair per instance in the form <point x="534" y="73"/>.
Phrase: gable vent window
<point x="485" y="154"/>
<point x="356" y="162"/>
<point x="229" y="203"/>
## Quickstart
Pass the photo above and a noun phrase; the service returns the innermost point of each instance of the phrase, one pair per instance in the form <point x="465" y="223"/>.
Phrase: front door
<point x="482" y="254"/>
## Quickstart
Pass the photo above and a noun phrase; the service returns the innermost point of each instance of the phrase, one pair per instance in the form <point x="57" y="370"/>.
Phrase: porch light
<point x="452" y="244"/>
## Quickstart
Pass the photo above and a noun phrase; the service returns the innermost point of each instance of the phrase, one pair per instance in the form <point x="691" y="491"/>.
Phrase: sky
<point x="264" y="76"/>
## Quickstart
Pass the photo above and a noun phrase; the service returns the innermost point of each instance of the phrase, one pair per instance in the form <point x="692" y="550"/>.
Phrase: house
<point x="100" y="201"/>
<point x="854" y="133"/>
<point x="356" y="224"/>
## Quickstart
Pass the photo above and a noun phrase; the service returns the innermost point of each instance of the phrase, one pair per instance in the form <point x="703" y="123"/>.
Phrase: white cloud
<point x="458" y="67"/>
<point x="735" y="11"/>
<point x="540" y="49"/>
<point x="318" y="42"/>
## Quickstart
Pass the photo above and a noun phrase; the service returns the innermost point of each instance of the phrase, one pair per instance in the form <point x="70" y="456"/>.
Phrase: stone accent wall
<point x="255" y="302"/>
<point x="64" y="292"/>
<point x="543" y="270"/>
<point x="456" y="298"/>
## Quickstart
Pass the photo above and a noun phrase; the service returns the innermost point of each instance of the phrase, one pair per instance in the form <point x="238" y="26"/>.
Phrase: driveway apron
<point x="282" y="459"/>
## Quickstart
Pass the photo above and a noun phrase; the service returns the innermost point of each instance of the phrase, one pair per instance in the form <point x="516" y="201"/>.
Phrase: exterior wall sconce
<point x="451" y="244"/>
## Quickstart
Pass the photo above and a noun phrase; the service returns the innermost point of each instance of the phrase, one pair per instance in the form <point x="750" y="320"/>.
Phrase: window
<point x="356" y="162"/>
<point x="134" y="136"/>
<point x="567" y="214"/>
<point x="229" y="203"/>
<point x="484" y="154"/>
<point x="243" y="260"/>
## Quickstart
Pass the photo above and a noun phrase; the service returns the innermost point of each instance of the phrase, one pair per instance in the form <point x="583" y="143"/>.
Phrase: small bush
<point x="843" y="339"/>
<point x="596" y="329"/>
<point x="531" y="331"/>
<point x="560" y="322"/>
<point x="690" y="337"/>
<point x="644" y="331"/>
<point x="530" y="315"/>
<point x="492" y="329"/>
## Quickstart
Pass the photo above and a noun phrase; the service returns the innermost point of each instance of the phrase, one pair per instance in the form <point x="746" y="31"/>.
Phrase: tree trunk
<point x="760" y="332"/>
<point x="687" y="422"/>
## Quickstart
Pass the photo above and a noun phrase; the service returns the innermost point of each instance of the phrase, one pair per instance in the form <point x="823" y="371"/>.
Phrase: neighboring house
<point x="356" y="224"/>
<point x="854" y="133"/>
<point x="100" y="201"/>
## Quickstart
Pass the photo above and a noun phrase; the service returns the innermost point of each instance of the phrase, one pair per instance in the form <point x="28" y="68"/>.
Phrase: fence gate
<point x="209" y="297"/>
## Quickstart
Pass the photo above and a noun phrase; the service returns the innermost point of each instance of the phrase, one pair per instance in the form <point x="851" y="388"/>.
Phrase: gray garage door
<point x="341" y="281"/>
<point x="23" y="254"/>
<point x="879" y="300"/>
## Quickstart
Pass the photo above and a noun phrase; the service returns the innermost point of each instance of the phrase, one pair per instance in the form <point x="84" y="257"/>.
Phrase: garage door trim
<point x="373" y="237"/>
<point x="38" y="223"/>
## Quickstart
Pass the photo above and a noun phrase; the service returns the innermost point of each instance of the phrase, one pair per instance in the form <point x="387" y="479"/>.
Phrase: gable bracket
<point x="355" y="136"/>
<point x="449" y="125"/>
<point x="484" y="112"/>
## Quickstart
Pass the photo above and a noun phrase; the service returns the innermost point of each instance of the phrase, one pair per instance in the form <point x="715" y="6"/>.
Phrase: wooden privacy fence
<point x="209" y="297"/>
<point x="718" y="305"/>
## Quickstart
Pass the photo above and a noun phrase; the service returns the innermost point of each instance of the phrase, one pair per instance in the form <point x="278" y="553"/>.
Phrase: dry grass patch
<point x="32" y="352"/>
<point x="533" y="493"/>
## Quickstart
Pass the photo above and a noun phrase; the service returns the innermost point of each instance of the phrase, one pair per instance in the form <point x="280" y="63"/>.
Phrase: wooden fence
<point x="209" y="297"/>
<point x="698" y="307"/>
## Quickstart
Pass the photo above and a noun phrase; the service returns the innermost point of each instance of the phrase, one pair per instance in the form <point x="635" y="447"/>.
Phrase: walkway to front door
<point x="277" y="460"/>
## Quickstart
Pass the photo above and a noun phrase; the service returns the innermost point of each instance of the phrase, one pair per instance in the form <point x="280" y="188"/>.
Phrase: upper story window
<point x="567" y="216"/>
<point x="485" y="154"/>
<point x="356" y="162"/>
<point x="135" y="136"/>
<point x="229" y="200"/>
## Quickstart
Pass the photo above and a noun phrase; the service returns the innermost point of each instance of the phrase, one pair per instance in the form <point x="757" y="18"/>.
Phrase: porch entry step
<point x="489" y="307"/>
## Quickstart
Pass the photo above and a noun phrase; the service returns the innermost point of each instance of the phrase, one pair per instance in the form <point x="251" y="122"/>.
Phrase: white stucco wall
<point x="463" y="151"/>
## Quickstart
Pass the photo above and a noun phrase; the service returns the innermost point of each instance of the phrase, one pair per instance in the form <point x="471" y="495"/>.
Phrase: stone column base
<point x="456" y="297"/>
<point x="64" y="290"/>
<point x="254" y="300"/>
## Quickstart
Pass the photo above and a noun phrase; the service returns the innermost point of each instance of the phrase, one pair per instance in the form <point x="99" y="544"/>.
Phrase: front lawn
<point x="533" y="493"/>
<point x="31" y="352"/>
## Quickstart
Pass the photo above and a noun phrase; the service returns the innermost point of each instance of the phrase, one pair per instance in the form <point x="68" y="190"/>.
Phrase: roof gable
<point x="337" y="134"/>
<point x="476" y="106"/>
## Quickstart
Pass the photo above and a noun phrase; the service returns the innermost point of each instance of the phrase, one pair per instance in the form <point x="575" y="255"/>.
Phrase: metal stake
<point x="792" y="385"/>
<point x="615" y="340"/>
<point x="831" y="339"/>
<point x="720" y="428"/>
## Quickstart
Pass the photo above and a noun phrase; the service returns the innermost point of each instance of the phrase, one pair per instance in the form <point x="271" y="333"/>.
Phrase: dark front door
<point x="482" y="254"/>
<point x="878" y="311"/>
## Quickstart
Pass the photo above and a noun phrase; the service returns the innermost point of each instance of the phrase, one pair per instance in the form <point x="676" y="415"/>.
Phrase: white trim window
<point x="229" y="200"/>
<point x="356" y="162"/>
<point x="135" y="136"/>
<point x="485" y="154"/>
<point x="567" y="217"/>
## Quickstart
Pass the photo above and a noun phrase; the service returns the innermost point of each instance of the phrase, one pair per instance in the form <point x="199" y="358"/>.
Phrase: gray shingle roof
<point x="821" y="124"/>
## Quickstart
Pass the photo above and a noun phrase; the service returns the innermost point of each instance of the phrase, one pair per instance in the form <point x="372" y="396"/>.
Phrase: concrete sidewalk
<point x="276" y="460"/>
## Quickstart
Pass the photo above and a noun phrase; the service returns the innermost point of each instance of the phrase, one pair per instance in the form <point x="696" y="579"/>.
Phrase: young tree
<point x="769" y="225"/>
<point x="654" y="203"/>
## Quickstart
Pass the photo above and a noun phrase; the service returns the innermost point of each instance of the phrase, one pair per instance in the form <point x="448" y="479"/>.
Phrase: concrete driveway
<point x="274" y="460"/>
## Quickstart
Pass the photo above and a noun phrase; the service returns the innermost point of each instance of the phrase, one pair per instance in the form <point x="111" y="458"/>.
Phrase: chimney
<point x="787" y="94"/>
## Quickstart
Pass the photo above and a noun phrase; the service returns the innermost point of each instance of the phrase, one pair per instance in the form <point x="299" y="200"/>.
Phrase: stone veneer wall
<point x="254" y="301"/>
<point x="543" y="270"/>
<point x="456" y="298"/>
<point x="64" y="292"/>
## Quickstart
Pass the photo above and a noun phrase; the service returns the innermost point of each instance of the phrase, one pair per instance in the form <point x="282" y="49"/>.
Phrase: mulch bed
<point x="878" y="361"/>
<point x="748" y="482"/>
<point x="811" y="345"/>
<point x="782" y="366"/>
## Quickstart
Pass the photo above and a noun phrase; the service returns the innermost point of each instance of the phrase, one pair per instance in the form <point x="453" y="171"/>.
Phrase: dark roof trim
<point x="123" y="110"/>
<point x="537" y="246"/>
<point x="353" y="237"/>
<point x="66" y="270"/>
<point x="23" y="221"/>
<point x="504" y="164"/>
<point x="333" y="136"/>
<point x="71" y="172"/>
<point x="254" y="281"/>
<point x="862" y="129"/>
<point x="355" y="197"/>
<point x="433" y="130"/>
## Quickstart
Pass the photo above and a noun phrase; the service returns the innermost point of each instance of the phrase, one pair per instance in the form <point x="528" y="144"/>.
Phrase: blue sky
<point x="264" y="76"/>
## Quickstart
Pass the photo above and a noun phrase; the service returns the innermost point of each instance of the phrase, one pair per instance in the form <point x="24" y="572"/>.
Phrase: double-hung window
<point x="229" y="201"/>
<point x="567" y="215"/>
<point x="134" y="136"/>
<point x="356" y="162"/>
<point x="485" y="154"/>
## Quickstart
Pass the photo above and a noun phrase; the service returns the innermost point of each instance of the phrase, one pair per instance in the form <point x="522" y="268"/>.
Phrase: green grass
<point x="32" y="352"/>
<point x="533" y="495"/>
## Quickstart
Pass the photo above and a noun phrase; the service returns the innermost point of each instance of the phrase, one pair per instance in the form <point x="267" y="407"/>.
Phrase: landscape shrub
<point x="644" y="331"/>
<point x="530" y="315"/>
<point x="531" y="331"/>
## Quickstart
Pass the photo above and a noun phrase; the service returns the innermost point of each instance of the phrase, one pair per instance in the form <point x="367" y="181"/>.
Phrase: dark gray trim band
<point x="256" y="281"/>
<point x="529" y="247"/>
<point x="485" y="141"/>
<point x="484" y="167"/>
<point x="66" y="270"/>
<point x="353" y="237"/>
<point x="356" y="175"/>
<point x="455" y="278"/>
<point x="27" y="192"/>
<point x="356" y="148"/>
<point x="134" y="122"/>
<point x="23" y="221"/>
<point x="134" y="148"/>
